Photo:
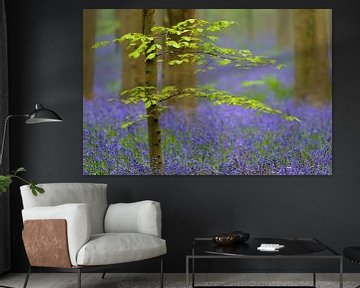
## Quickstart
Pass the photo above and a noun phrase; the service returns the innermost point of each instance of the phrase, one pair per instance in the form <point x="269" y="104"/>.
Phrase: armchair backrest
<point x="92" y="194"/>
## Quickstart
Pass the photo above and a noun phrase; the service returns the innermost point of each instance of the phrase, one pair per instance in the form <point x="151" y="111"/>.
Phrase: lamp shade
<point x="42" y="115"/>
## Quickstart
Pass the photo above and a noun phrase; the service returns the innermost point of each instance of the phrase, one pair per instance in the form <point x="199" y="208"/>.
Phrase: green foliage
<point x="100" y="44"/>
<point x="36" y="189"/>
<point x="192" y="40"/>
<point x="6" y="180"/>
<point x="151" y="96"/>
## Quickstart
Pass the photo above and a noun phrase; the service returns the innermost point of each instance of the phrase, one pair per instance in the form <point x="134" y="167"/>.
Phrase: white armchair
<point x="72" y="228"/>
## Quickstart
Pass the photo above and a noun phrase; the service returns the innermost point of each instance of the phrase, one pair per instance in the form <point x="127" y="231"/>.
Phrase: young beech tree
<point x="192" y="41"/>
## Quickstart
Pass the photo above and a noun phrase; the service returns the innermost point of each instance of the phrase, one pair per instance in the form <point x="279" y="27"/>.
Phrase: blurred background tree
<point x="89" y="38"/>
<point x="133" y="70"/>
<point x="182" y="76"/>
<point x="312" y="68"/>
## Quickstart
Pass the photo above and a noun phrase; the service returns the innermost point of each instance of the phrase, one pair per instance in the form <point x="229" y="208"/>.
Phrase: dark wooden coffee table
<point x="294" y="248"/>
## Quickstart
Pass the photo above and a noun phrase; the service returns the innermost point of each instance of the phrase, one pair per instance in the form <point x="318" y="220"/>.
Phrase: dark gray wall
<point x="45" y="50"/>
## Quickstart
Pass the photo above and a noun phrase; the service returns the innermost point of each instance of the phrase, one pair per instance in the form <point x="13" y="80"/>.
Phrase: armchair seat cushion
<point x="113" y="248"/>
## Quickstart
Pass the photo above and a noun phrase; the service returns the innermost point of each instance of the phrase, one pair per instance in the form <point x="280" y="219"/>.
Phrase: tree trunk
<point x="153" y="123"/>
<point x="323" y="65"/>
<point x="181" y="76"/>
<point x="89" y="24"/>
<point x="161" y="19"/>
<point x="312" y="73"/>
<point x="132" y="74"/>
<point x="283" y="28"/>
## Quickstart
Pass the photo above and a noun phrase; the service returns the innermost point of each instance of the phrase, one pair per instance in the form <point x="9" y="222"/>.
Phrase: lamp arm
<point x="4" y="134"/>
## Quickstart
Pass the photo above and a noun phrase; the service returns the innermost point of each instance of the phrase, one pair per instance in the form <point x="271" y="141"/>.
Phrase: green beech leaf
<point x="280" y="66"/>
<point x="147" y="104"/>
<point x="100" y="44"/>
<point x="224" y="62"/>
<point x="173" y="44"/>
<point x="150" y="56"/>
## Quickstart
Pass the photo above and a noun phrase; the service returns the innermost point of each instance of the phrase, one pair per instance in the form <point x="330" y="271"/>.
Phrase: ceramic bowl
<point x="225" y="239"/>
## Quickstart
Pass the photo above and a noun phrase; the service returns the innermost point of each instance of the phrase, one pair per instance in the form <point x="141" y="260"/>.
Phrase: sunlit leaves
<point x="173" y="44"/>
<point x="223" y="62"/>
<point x="280" y="66"/>
<point x="224" y="97"/>
<point x="219" y="25"/>
<point x="189" y="41"/>
<point x="212" y="37"/>
<point x="100" y="44"/>
<point x="150" y="56"/>
<point x="178" y="62"/>
<point x="152" y="96"/>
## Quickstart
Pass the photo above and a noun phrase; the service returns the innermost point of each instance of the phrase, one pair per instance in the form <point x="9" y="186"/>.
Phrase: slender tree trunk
<point x="283" y="28"/>
<point x="89" y="24"/>
<point x="161" y="19"/>
<point x="323" y="63"/>
<point x="132" y="69"/>
<point x="312" y="74"/>
<point x="181" y="76"/>
<point x="153" y="121"/>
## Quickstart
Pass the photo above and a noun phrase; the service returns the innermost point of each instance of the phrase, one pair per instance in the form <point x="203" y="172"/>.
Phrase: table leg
<point x="187" y="272"/>
<point x="314" y="271"/>
<point x="193" y="272"/>
<point x="341" y="273"/>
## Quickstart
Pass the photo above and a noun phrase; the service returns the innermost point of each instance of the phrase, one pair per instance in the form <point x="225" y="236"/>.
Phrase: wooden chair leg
<point x="27" y="277"/>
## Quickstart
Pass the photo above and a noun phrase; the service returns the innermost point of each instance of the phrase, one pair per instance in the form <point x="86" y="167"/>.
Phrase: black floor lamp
<point x="39" y="115"/>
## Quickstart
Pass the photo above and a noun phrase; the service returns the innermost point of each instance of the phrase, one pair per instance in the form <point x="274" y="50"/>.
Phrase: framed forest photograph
<point x="207" y="92"/>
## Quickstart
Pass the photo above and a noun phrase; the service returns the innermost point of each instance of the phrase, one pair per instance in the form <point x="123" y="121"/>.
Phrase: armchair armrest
<point x="77" y="217"/>
<point x="138" y="217"/>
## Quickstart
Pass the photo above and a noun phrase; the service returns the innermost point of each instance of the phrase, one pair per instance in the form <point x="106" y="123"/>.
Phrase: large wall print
<point x="207" y="92"/>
